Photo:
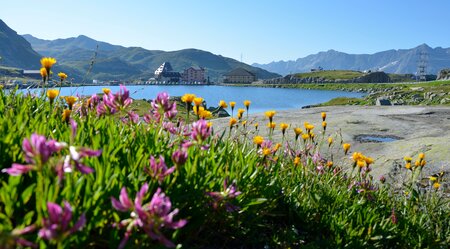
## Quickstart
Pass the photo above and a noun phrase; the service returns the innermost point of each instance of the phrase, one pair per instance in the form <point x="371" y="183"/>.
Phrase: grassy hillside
<point x="116" y="62"/>
<point x="331" y="74"/>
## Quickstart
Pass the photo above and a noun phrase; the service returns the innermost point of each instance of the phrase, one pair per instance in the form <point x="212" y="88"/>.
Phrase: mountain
<point x="117" y="62"/>
<point x="15" y="51"/>
<point x="391" y="61"/>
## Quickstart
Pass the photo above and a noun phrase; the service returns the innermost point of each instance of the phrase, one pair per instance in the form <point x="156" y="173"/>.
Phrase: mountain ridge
<point x="77" y="52"/>
<point x="398" y="61"/>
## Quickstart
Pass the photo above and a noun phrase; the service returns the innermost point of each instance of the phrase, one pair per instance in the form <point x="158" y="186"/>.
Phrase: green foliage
<point x="282" y="203"/>
<point x="331" y="74"/>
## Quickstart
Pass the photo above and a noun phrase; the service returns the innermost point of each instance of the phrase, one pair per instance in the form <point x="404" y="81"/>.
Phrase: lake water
<point x="262" y="98"/>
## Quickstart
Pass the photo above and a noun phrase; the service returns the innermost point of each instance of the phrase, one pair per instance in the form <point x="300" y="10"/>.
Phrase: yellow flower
<point x="305" y="136"/>
<point x="436" y="185"/>
<point x="43" y="72"/>
<point x="369" y="160"/>
<point x="408" y="165"/>
<point x="361" y="163"/>
<point x="223" y="104"/>
<point x="256" y="126"/>
<point x="270" y="114"/>
<point x="272" y="125"/>
<point x="277" y="146"/>
<point x="298" y="131"/>
<point x="324" y="125"/>
<point x="407" y="159"/>
<point x="62" y="76"/>
<point x="421" y="156"/>
<point x="266" y="151"/>
<point x="346" y="148"/>
<point x="188" y="98"/>
<point x="205" y="114"/>
<point x="247" y="103"/>
<point x="47" y="63"/>
<point x="106" y="90"/>
<point x="423" y="162"/>
<point x="198" y="101"/>
<point x="240" y="112"/>
<point x="357" y="156"/>
<point x="51" y="94"/>
<point x="198" y="110"/>
<point x="209" y="124"/>
<point x="309" y="127"/>
<point x="66" y="115"/>
<point x="324" y="116"/>
<point x="330" y="141"/>
<point x="296" y="160"/>
<point x="232" y="104"/>
<point x="258" y="140"/>
<point x="330" y="164"/>
<point x="417" y="163"/>
<point x="283" y="127"/>
<point x="433" y="178"/>
<point x="233" y="121"/>
<point x="70" y="100"/>
<point x="244" y="123"/>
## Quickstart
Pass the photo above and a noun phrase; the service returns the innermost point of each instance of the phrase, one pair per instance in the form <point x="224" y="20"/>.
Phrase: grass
<point x="232" y="192"/>
<point x="331" y="74"/>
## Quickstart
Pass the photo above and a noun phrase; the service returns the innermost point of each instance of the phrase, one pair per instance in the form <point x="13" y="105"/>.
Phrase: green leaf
<point x="27" y="193"/>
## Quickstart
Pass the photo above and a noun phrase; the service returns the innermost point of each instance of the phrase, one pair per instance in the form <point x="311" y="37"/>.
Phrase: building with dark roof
<point x="165" y="73"/>
<point x="239" y="75"/>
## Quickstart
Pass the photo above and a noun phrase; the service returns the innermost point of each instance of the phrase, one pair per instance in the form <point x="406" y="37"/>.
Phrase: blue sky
<point x="262" y="31"/>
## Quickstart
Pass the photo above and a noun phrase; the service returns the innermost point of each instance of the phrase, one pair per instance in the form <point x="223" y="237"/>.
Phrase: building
<point x="165" y="73"/>
<point x="193" y="75"/>
<point x="239" y="75"/>
<point x="34" y="74"/>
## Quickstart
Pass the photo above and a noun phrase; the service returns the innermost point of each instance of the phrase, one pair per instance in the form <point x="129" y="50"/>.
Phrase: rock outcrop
<point x="444" y="74"/>
<point x="375" y="77"/>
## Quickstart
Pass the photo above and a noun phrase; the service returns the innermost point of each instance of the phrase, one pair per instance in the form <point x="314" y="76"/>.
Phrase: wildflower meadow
<point x="88" y="172"/>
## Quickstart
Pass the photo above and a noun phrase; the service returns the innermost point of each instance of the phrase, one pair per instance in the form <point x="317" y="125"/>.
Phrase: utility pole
<point x="422" y="65"/>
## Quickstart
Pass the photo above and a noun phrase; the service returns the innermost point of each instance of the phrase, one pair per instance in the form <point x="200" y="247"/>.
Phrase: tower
<point x="422" y="64"/>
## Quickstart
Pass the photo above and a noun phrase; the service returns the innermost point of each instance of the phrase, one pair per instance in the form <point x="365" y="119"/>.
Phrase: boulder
<point x="444" y="74"/>
<point x="383" y="101"/>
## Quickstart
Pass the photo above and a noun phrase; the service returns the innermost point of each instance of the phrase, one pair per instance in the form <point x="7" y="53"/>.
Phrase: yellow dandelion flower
<point x="330" y="141"/>
<point x="346" y="148"/>
<point x="47" y="63"/>
<point x="62" y="76"/>
<point x="52" y="94"/>
<point x="357" y="156"/>
<point x="43" y="72"/>
<point x="417" y="163"/>
<point x="305" y="136"/>
<point x="270" y="115"/>
<point x="423" y="162"/>
<point x="298" y="131"/>
<point x="232" y="104"/>
<point x="198" y="101"/>
<point x="272" y="125"/>
<point x="209" y="124"/>
<point x="188" y="98"/>
<point x="247" y="103"/>
<point x="223" y="104"/>
<point x="277" y="147"/>
<point x="256" y="126"/>
<point x="408" y="165"/>
<point x="205" y="114"/>
<point x="324" y="125"/>
<point x="407" y="159"/>
<point x="433" y="178"/>
<point x="436" y="185"/>
<point x="421" y="156"/>
<point x="106" y="90"/>
<point x="296" y="160"/>
<point x="324" y="116"/>
<point x="70" y="100"/>
<point x="369" y="160"/>
<point x="66" y="115"/>
<point x="361" y="163"/>
<point x="330" y="164"/>
<point x="232" y="122"/>
<point x="266" y="151"/>
<point x="258" y="140"/>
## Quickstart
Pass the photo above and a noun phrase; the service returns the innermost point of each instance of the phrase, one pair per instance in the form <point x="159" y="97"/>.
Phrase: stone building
<point x="165" y="73"/>
<point x="239" y="75"/>
<point x="194" y="75"/>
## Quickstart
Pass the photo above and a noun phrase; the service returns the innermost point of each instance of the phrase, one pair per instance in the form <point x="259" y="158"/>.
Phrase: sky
<point x="258" y="31"/>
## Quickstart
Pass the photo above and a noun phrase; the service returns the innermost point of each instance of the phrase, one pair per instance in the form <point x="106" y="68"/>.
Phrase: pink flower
<point x="150" y="217"/>
<point x="15" y="238"/>
<point x="38" y="151"/>
<point x="56" y="225"/>
<point x="225" y="196"/>
<point x="75" y="157"/>
<point x="158" y="170"/>
<point x="200" y="130"/>
<point x="179" y="157"/>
